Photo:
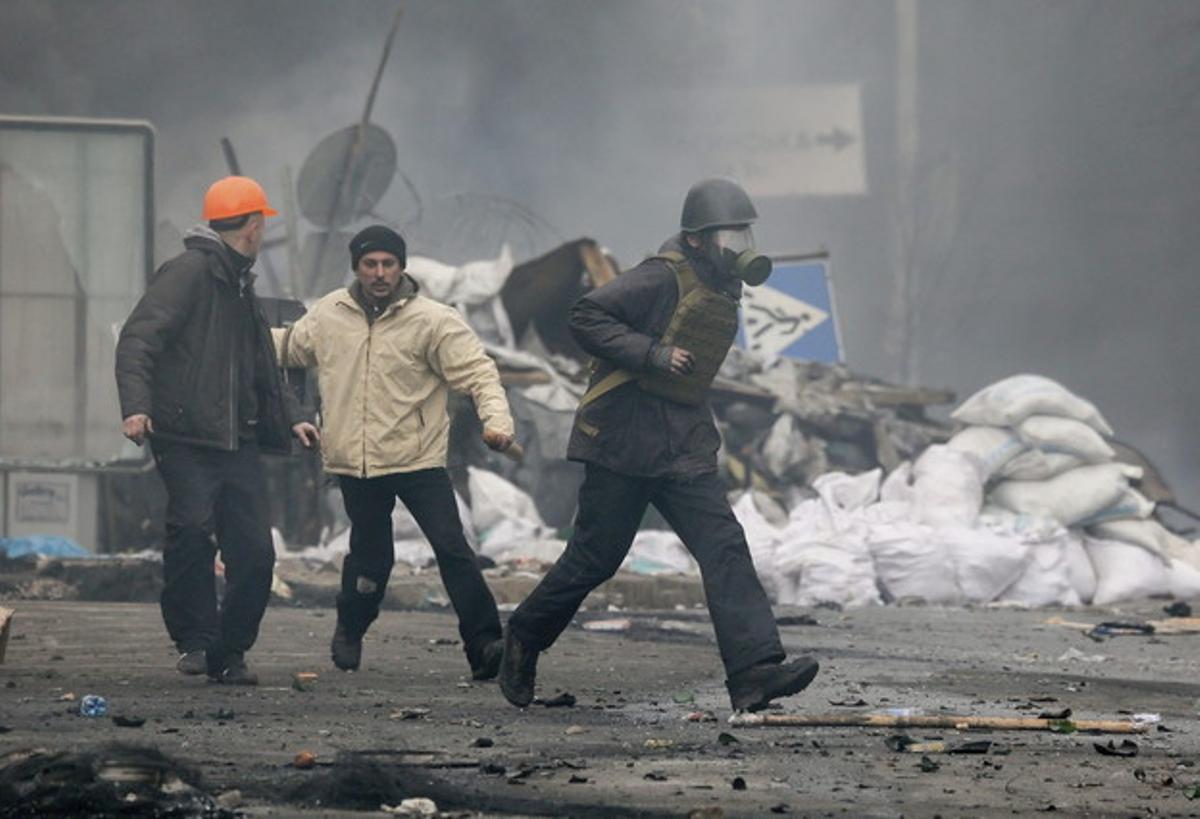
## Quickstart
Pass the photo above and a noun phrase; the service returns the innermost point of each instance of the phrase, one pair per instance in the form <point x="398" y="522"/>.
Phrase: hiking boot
<point x="192" y="663"/>
<point x="518" y="671"/>
<point x="487" y="665"/>
<point x="231" y="671"/>
<point x="754" y="688"/>
<point x="346" y="651"/>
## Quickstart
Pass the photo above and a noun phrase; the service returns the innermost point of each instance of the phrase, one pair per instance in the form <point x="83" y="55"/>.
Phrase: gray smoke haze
<point x="1043" y="216"/>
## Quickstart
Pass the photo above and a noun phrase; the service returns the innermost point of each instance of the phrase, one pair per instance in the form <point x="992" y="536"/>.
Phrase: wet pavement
<point x="411" y="723"/>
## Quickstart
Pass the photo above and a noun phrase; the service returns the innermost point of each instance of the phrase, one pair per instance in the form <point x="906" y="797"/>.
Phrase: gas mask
<point x="732" y="249"/>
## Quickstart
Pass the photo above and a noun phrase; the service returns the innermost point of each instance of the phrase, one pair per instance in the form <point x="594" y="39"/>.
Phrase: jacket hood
<point x="202" y="237"/>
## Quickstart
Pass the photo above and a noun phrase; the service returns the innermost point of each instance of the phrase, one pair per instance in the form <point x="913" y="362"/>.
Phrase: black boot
<point x="229" y="668"/>
<point x="346" y="650"/>
<point x="518" y="671"/>
<point x="754" y="688"/>
<point x="487" y="665"/>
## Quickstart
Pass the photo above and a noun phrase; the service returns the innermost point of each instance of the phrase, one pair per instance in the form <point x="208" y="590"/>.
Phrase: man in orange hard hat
<point x="197" y="376"/>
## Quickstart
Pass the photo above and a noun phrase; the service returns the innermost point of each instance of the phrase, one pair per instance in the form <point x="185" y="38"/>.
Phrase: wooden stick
<point x="959" y="723"/>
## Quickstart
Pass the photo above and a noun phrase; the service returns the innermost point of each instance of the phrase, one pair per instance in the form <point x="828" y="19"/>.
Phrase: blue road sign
<point x="794" y="313"/>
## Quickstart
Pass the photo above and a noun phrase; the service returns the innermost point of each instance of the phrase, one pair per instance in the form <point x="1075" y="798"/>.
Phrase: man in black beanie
<point x="386" y="360"/>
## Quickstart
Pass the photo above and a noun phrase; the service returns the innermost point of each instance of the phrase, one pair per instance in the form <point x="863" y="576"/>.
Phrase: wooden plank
<point x="945" y="721"/>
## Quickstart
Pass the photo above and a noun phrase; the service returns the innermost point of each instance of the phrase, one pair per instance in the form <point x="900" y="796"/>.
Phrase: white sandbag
<point x="512" y="543"/>
<point x="897" y="487"/>
<point x="1035" y="465"/>
<point x="1183" y="580"/>
<point x="1124" y="572"/>
<point x="1046" y="580"/>
<point x="985" y="563"/>
<point x="1010" y="401"/>
<point x="1131" y="505"/>
<point x="763" y="539"/>
<point x="471" y="284"/>
<point x="494" y="499"/>
<point x="1080" y="571"/>
<point x="948" y="490"/>
<point x="911" y="563"/>
<point x="1065" y="436"/>
<point x="1069" y="497"/>
<point x="829" y="572"/>
<point x="991" y="447"/>
<point x="405" y="528"/>
<point x="846" y="493"/>
<point x="1026" y="528"/>
<point x="413" y="551"/>
<point x="656" y="551"/>
<point x="1149" y="535"/>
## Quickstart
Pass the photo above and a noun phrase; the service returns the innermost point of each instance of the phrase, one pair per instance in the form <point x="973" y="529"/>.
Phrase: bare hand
<point x="307" y="434"/>
<point x="497" y="441"/>
<point x="138" y="428"/>
<point x="682" y="362"/>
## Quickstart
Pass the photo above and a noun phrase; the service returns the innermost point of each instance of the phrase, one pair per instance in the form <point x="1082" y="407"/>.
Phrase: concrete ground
<point x="411" y="723"/>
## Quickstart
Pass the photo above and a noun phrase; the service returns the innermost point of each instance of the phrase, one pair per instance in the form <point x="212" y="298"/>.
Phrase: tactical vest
<point x="704" y="323"/>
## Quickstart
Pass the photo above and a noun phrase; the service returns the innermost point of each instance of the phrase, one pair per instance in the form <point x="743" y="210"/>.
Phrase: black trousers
<point x="216" y="500"/>
<point x="611" y="506"/>
<point x="429" y="496"/>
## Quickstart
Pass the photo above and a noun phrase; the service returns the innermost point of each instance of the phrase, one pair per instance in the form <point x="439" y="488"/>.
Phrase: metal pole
<point x="353" y="152"/>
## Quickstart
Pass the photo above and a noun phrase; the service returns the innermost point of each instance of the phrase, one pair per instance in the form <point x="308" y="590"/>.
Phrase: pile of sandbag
<point x="1042" y="452"/>
<point x="1025" y="505"/>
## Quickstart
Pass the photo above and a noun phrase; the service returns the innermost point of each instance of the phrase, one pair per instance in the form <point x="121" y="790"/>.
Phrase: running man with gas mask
<point x="646" y="435"/>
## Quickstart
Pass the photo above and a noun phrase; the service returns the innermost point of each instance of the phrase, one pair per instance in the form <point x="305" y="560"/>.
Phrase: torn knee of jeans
<point x="365" y="585"/>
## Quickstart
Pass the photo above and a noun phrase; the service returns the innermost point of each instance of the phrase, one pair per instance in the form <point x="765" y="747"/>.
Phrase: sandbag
<point x="1035" y="465"/>
<point x="1080" y="570"/>
<point x="1131" y="505"/>
<point x="897" y="487"/>
<point x="910" y="563"/>
<point x="1149" y="535"/>
<point x="494" y="499"/>
<point x="947" y="490"/>
<point x="1183" y="580"/>
<point x="1065" y="436"/>
<point x="1124" y="571"/>
<point x="985" y="563"/>
<point x="1010" y="401"/>
<point x="990" y="447"/>
<point x="1046" y="579"/>
<point x="655" y="551"/>
<point x="829" y="572"/>
<point x="1069" y="497"/>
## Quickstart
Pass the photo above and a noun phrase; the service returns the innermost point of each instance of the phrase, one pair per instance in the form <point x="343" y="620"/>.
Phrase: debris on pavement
<point x="564" y="699"/>
<point x="6" y="616"/>
<point x="304" y="760"/>
<point x="1127" y="748"/>
<point x="116" y="780"/>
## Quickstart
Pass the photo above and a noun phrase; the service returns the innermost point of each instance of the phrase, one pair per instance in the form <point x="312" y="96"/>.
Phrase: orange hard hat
<point x="236" y="196"/>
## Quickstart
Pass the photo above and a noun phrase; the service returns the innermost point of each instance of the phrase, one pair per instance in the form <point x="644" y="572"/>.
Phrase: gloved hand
<point x="668" y="359"/>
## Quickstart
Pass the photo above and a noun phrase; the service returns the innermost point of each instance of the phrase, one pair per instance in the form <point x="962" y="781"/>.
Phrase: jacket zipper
<point x="366" y="403"/>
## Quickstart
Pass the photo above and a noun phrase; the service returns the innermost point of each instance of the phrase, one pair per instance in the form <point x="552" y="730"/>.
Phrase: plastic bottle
<point x="93" y="705"/>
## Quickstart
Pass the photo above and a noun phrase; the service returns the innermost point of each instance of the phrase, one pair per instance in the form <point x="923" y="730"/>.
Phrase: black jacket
<point x="620" y="323"/>
<point x="178" y="355"/>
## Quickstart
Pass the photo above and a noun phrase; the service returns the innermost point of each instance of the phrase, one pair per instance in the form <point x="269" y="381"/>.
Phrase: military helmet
<point x="716" y="203"/>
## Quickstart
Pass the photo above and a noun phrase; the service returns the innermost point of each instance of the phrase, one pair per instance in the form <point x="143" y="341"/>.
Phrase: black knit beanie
<point x="377" y="237"/>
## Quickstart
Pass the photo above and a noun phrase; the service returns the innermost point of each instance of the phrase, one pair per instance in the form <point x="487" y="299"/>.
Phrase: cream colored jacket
<point x="384" y="386"/>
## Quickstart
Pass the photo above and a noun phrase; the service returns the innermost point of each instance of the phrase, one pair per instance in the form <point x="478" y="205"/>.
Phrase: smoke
<point x="1045" y="222"/>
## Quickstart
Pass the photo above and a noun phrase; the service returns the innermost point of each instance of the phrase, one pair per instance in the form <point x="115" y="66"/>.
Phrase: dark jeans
<point x="611" y="506"/>
<point x="215" y="500"/>
<point x="428" y="495"/>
